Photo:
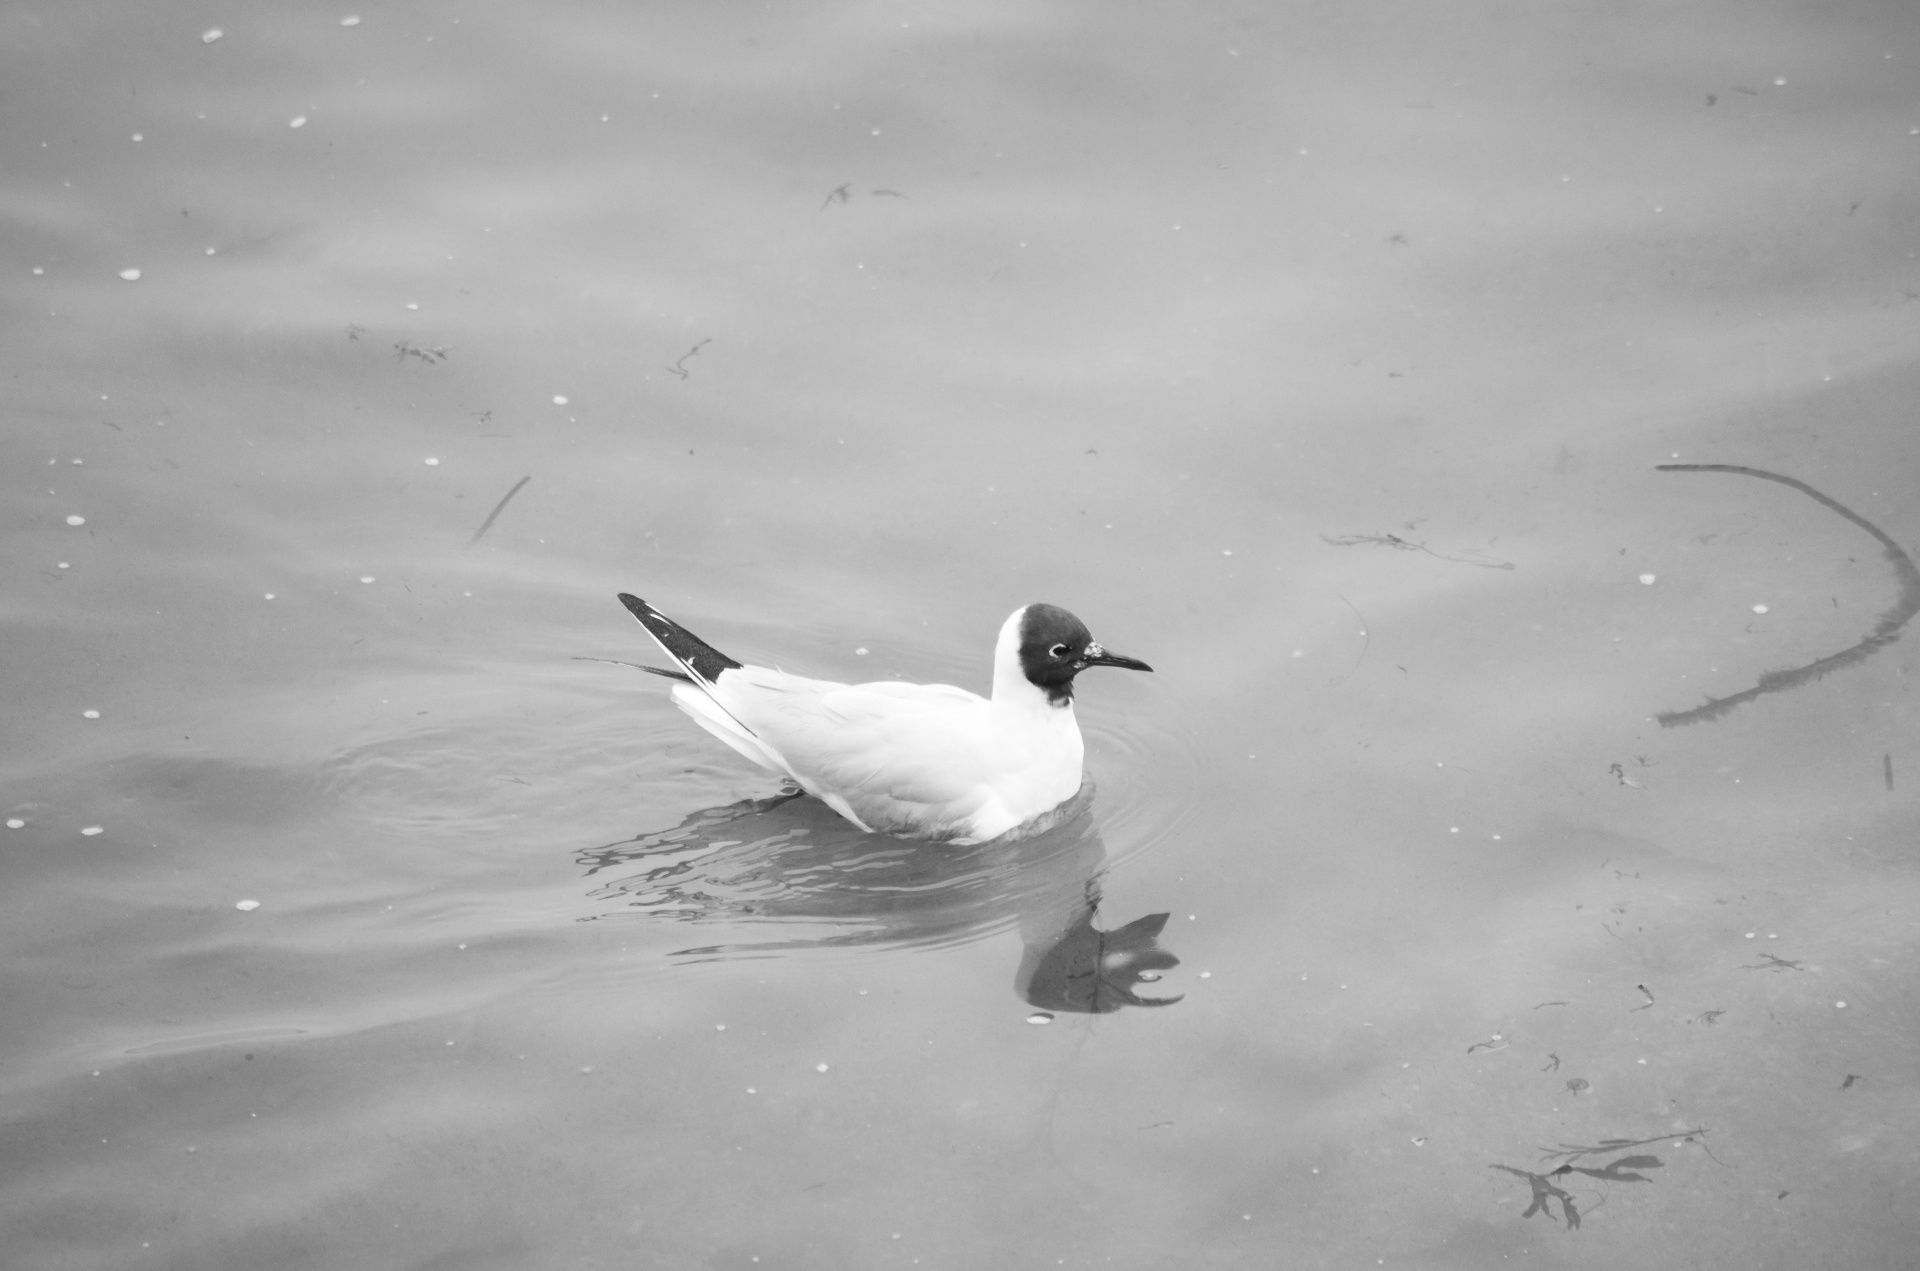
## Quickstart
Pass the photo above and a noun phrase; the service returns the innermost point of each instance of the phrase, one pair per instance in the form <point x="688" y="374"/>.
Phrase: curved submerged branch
<point x="1885" y="632"/>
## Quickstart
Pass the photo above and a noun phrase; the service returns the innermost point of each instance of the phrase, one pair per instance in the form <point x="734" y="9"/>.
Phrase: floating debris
<point x="131" y="275"/>
<point x="211" y="34"/>
<point x="76" y="520"/>
<point x="246" y="906"/>
<point x="1040" y="1017"/>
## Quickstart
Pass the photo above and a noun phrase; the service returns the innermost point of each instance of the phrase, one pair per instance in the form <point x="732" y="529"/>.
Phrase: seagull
<point x="917" y="761"/>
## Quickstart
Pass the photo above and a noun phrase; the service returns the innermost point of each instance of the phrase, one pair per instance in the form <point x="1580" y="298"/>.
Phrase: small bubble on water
<point x="246" y="906"/>
<point x="559" y="400"/>
<point x="1647" y="579"/>
<point x="211" y="34"/>
<point x="1759" y="608"/>
<point x="76" y="520"/>
<point x="819" y="1067"/>
<point x="1040" y="1017"/>
<point x="298" y="121"/>
<point x="15" y="823"/>
<point x="269" y="595"/>
<point x="92" y="830"/>
<point x="62" y="565"/>
<point x="431" y="462"/>
<point x="366" y="578"/>
<point x="89" y="714"/>
<point x="131" y="275"/>
<point x="860" y="652"/>
<point x="352" y="19"/>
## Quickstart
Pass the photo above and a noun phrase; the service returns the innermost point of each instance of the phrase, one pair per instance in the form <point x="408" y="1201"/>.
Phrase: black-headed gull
<point x="921" y="761"/>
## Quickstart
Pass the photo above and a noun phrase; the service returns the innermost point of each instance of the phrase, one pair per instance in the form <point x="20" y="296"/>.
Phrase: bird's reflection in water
<point x="793" y="866"/>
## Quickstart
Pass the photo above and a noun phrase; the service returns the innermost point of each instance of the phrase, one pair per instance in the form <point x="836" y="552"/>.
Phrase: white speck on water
<point x="211" y="34"/>
<point x="1208" y="975"/>
<point x="1759" y="608"/>
<point x="246" y="906"/>
<point x="138" y="137"/>
<point x="1840" y="1005"/>
<point x="587" y="1068"/>
<point x="91" y="830"/>
<point x="719" y="1028"/>
<point x="269" y="595"/>
<point x="1779" y="81"/>
<point x="1750" y="935"/>
<point x="131" y="275"/>
<point x="1647" y="579"/>
<point x="412" y="306"/>
<point x="463" y="944"/>
<point x="89" y="714"/>
<point x="1040" y="1017"/>
<point x="819" y="1067"/>
<point x="76" y="520"/>
<point x="211" y="250"/>
<point x="62" y="565"/>
<point x="39" y="272"/>
<point x="1226" y="551"/>
<point x="1453" y="829"/>
<point x="431" y="462"/>
<point x="15" y="823"/>
<point x="298" y="121"/>
<point x="366" y="578"/>
<point x="1419" y="1140"/>
<point x="861" y="652"/>
<point x="559" y="400"/>
<point x="352" y="19"/>
<point x="751" y="1090"/>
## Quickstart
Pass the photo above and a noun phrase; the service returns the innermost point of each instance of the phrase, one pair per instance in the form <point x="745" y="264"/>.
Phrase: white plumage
<point x="923" y="761"/>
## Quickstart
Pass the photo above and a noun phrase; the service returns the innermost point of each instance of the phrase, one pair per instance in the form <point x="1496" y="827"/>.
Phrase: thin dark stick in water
<point x="1885" y="632"/>
<point x="497" y="509"/>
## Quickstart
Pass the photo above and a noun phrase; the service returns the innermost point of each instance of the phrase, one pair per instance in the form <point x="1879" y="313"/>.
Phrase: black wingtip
<point x="700" y="658"/>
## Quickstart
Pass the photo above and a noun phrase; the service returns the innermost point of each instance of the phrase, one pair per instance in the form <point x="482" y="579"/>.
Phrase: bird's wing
<point x="921" y="744"/>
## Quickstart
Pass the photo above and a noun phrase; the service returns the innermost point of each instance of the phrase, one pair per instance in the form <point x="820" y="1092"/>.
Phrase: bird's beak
<point x="1097" y="656"/>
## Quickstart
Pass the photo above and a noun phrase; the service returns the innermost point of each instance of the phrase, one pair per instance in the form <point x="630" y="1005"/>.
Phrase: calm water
<point x="1320" y="355"/>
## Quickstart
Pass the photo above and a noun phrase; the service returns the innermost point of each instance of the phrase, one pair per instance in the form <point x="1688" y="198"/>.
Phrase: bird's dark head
<point x="1055" y="646"/>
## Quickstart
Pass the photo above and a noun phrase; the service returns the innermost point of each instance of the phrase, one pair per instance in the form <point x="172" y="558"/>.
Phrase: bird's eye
<point x="1058" y="651"/>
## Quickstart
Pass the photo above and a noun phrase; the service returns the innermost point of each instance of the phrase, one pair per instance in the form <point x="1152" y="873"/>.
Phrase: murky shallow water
<point x="1322" y="359"/>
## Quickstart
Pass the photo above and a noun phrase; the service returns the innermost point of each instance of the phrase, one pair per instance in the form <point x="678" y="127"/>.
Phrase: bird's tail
<point x="699" y="661"/>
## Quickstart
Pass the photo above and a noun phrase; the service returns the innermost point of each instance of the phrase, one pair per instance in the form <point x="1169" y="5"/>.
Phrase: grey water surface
<point x="358" y="910"/>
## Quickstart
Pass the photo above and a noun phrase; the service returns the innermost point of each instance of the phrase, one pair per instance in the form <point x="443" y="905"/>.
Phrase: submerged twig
<point x="497" y="509"/>
<point x="1885" y="632"/>
<point x="1408" y="545"/>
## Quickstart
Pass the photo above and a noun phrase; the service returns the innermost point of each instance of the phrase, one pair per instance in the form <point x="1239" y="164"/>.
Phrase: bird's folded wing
<point x="909" y="742"/>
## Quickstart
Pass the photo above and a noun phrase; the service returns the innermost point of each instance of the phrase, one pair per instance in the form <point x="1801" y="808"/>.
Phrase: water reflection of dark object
<point x="795" y="870"/>
<point x="1885" y="632"/>
<point x="1093" y="971"/>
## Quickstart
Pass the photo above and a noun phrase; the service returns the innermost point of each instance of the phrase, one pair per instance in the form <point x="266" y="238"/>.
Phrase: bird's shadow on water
<point x="794" y="874"/>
